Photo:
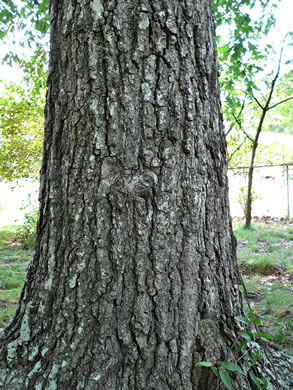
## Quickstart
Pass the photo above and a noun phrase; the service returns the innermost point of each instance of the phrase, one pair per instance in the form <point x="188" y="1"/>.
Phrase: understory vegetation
<point x="265" y="255"/>
<point x="15" y="256"/>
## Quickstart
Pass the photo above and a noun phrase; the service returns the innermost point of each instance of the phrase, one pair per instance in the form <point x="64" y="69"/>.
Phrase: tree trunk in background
<point x="134" y="277"/>
<point x="248" y="200"/>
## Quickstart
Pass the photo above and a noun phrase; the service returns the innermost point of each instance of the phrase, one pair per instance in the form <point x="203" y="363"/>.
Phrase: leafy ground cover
<point x="265" y="255"/>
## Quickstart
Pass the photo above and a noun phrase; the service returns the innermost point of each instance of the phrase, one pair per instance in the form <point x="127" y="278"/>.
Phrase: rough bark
<point x="134" y="277"/>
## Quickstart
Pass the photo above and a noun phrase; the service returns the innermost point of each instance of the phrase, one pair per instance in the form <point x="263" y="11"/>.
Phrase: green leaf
<point x="263" y="335"/>
<point x="249" y="357"/>
<point x="204" y="364"/>
<point x="265" y="381"/>
<point x="242" y="319"/>
<point x="256" y="380"/>
<point x="225" y="378"/>
<point x="239" y="348"/>
<point x="232" y="367"/>
<point x="256" y="354"/>
<point x="215" y="371"/>
<point x="257" y="321"/>
<point x="247" y="336"/>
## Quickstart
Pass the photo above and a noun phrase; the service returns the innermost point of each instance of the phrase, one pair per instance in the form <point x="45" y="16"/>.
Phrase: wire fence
<point x="272" y="193"/>
<point x="272" y="190"/>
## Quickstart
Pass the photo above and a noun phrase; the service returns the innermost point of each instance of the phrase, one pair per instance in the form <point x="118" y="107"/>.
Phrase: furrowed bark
<point x="134" y="278"/>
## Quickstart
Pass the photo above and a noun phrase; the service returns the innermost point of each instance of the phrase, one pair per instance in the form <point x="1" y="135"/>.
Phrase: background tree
<point x="241" y="50"/>
<point x="251" y="121"/>
<point x="22" y="103"/>
<point x="21" y="132"/>
<point x="32" y="19"/>
<point x="265" y="105"/>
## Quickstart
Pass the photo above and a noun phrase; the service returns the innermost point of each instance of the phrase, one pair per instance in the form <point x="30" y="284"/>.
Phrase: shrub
<point x="27" y="231"/>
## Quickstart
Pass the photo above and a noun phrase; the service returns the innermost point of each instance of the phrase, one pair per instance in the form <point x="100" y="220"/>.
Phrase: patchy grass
<point x="264" y="249"/>
<point x="6" y="313"/>
<point x="11" y="248"/>
<point x="10" y="296"/>
<point x="12" y="276"/>
<point x="14" y="260"/>
<point x="265" y="255"/>
<point x="278" y="301"/>
<point x="7" y="236"/>
<point x="252" y="283"/>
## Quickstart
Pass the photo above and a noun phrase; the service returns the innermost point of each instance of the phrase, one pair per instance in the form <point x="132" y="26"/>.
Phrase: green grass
<point x="263" y="232"/>
<point x="13" y="263"/>
<point x="7" y="235"/>
<point x="279" y="260"/>
<point x="8" y="303"/>
<point x="278" y="301"/>
<point x="277" y="307"/>
<point x="11" y="249"/>
<point x="6" y="314"/>
<point x="252" y="283"/>
<point x="264" y="251"/>
<point x="12" y="276"/>
<point x="11" y="296"/>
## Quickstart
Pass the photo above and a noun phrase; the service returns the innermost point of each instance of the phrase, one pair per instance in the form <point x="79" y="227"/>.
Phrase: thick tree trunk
<point x="134" y="277"/>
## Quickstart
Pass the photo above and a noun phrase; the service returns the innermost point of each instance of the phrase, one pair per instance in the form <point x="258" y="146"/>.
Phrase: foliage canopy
<point x="21" y="132"/>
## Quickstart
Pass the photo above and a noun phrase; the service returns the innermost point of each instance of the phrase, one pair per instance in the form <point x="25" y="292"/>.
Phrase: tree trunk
<point x="134" y="277"/>
<point x="248" y="203"/>
<point x="264" y="109"/>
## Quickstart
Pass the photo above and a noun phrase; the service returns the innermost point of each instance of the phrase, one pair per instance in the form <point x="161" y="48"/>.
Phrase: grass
<point x="7" y="236"/>
<point x="12" y="276"/>
<point x="6" y="314"/>
<point x="10" y="296"/>
<point x="278" y="301"/>
<point x="13" y="263"/>
<point x="252" y="283"/>
<point x="8" y="303"/>
<point x="265" y="255"/>
<point x="11" y="248"/>
<point x="265" y="249"/>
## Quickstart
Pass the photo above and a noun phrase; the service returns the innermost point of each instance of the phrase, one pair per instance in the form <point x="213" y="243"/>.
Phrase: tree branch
<point x="282" y="101"/>
<point x="248" y="136"/>
<point x="261" y="106"/>
<point x="266" y="107"/>
<point x="237" y="118"/>
<point x="274" y="80"/>
<point x="230" y="157"/>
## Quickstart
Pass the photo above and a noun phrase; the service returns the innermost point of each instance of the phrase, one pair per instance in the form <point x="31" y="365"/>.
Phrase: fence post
<point x="288" y="193"/>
